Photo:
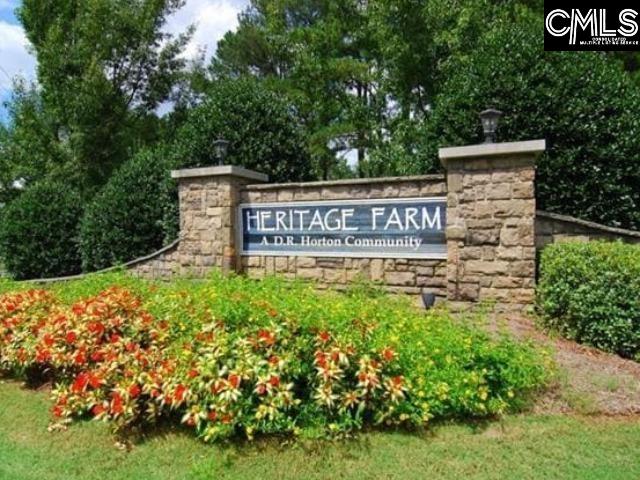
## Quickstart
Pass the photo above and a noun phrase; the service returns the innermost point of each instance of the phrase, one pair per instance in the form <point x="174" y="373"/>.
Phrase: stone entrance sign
<point x="465" y="236"/>
<point x="371" y="228"/>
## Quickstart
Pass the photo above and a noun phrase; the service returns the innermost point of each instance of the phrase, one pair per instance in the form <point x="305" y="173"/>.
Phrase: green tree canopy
<point x="29" y="146"/>
<point x="361" y="73"/>
<point x="262" y="126"/>
<point x="39" y="232"/>
<point x="582" y="103"/>
<point x="133" y="214"/>
<point x="323" y="54"/>
<point x="103" y="67"/>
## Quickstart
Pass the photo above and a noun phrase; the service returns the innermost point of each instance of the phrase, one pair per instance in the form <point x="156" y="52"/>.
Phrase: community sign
<point x="381" y="228"/>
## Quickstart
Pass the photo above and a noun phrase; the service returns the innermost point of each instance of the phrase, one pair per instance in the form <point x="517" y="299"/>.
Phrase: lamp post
<point x="220" y="149"/>
<point x="489" y="119"/>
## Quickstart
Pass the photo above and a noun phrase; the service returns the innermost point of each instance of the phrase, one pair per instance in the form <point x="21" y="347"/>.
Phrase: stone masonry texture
<point x="490" y="230"/>
<point x="162" y="265"/>
<point x="491" y="213"/>
<point x="554" y="228"/>
<point x="207" y="229"/>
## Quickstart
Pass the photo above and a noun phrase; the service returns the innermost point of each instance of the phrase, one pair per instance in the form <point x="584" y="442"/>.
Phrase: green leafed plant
<point x="590" y="292"/>
<point x="582" y="103"/>
<point x="39" y="232"/>
<point x="261" y="126"/>
<point x="133" y="215"/>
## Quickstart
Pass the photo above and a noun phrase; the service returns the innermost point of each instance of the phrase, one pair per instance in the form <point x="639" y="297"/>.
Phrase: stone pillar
<point x="491" y="210"/>
<point x="208" y="199"/>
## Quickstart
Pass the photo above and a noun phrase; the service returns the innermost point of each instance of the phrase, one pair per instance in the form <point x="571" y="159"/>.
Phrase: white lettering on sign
<point x="395" y="228"/>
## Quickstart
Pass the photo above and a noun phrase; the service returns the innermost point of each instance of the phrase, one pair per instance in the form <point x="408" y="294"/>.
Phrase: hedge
<point x="39" y="232"/>
<point x="590" y="292"/>
<point x="232" y="356"/>
<point x="133" y="215"/>
<point x="262" y="127"/>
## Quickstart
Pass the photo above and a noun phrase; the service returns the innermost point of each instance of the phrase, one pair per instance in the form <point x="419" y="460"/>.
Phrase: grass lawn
<point x="522" y="447"/>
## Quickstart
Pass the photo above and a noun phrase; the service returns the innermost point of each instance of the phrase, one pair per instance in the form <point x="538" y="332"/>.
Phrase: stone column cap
<point x="219" y="171"/>
<point x="488" y="150"/>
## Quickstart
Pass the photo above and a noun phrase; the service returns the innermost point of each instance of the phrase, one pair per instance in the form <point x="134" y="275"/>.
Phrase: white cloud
<point x="212" y="19"/>
<point x="15" y="58"/>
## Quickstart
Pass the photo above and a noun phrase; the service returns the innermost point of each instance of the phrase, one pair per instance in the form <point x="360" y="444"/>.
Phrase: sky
<point x="212" y="19"/>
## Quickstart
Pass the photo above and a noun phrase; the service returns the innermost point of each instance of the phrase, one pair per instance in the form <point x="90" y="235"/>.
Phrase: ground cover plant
<point x="590" y="292"/>
<point x="232" y="356"/>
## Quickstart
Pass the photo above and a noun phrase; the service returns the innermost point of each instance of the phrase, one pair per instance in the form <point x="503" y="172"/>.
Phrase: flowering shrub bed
<point x="231" y="356"/>
<point x="100" y="351"/>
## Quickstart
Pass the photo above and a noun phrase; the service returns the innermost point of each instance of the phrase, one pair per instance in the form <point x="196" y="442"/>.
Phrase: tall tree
<point x="630" y="63"/>
<point x="360" y="70"/>
<point x="418" y="39"/>
<point x="29" y="145"/>
<point x="103" y="67"/>
<point x="582" y="103"/>
<point x="322" y="54"/>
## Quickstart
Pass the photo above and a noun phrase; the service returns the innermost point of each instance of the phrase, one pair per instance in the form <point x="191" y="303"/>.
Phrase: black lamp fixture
<point x="489" y="119"/>
<point x="220" y="149"/>
<point x="428" y="300"/>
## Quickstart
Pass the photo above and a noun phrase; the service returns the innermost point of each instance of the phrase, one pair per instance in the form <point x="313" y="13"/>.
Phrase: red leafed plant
<point x="111" y="356"/>
<point x="22" y="318"/>
<point x="106" y="354"/>
<point x="110" y="360"/>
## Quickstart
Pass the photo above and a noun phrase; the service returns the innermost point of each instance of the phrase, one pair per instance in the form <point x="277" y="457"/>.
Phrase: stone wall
<point x="490" y="222"/>
<point x="402" y="275"/>
<point x="162" y="264"/>
<point x="552" y="228"/>
<point x="398" y="275"/>
<point x="208" y="198"/>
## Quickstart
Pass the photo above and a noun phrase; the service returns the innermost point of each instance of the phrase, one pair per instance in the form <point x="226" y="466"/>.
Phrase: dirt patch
<point x="589" y="380"/>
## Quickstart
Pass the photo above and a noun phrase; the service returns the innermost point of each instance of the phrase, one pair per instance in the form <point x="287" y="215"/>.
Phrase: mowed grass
<point x="522" y="447"/>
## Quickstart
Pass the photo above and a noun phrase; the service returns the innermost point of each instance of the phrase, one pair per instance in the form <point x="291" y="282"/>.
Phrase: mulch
<point x="589" y="381"/>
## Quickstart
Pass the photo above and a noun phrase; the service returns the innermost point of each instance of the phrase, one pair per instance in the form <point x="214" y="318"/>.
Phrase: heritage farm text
<point x="412" y="228"/>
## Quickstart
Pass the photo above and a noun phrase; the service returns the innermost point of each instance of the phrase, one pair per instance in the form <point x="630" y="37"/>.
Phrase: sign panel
<point x="383" y="228"/>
